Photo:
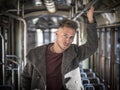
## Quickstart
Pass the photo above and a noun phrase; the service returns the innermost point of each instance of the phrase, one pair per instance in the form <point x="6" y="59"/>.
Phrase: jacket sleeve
<point x="87" y="49"/>
<point x="26" y="77"/>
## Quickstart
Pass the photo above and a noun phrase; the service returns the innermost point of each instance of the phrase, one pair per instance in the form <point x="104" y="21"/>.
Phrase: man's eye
<point x="71" y="38"/>
<point x="65" y="36"/>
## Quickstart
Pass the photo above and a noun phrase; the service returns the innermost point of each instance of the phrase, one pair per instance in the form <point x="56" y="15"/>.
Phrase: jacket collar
<point x="37" y="58"/>
<point x="68" y="56"/>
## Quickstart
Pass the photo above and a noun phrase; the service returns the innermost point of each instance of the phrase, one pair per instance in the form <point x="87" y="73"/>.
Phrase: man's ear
<point x="56" y="33"/>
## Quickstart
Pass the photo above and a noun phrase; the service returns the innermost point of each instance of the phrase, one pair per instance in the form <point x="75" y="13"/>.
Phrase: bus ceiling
<point x="104" y="9"/>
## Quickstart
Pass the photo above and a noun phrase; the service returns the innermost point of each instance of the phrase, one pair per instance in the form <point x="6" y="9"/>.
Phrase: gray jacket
<point x="34" y="74"/>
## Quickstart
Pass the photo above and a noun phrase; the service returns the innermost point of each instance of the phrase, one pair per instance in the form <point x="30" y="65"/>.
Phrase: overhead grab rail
<point x="84" y="10"/>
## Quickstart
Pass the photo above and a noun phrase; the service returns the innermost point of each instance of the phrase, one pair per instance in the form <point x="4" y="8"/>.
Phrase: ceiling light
<point x="50" y="6"/>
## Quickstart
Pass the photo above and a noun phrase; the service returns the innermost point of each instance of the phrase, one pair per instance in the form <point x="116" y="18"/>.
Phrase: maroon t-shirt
<point x="53" y="70"/>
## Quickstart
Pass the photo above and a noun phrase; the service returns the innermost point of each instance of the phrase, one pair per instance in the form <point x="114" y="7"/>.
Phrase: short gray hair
<point x="68" y="23"/>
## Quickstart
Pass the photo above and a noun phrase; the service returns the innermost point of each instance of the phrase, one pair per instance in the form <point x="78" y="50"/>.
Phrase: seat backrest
<point x="91" y="75"/>
<point x="83" y="75"/>
<point x="85" y="81"/>
<point x="89" y="87"/>
<point x="99" y="86"/>
<point x="87" y="70"/>
<point x="6" y="87"/>
<point x="95" y="80"/>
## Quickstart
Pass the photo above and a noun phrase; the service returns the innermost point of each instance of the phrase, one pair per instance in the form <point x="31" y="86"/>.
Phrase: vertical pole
<point x="105" y="54"/>
<point x="100" y="52"/>
<point x="112" y="58"/>
<point x="3" y="59"/>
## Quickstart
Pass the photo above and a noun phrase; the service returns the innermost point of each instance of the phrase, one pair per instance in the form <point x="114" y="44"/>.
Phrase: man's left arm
<point x="91" y="45"/>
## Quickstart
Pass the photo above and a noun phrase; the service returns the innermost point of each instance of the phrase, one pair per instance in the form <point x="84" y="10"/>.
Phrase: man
<point x="56" y="66"/>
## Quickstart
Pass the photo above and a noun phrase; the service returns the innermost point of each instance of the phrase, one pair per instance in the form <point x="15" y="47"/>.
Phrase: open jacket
<point x="34" y="73"/>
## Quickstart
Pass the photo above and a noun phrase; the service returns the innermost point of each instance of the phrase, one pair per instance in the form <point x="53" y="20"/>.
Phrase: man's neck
<point x="56" y="49"/>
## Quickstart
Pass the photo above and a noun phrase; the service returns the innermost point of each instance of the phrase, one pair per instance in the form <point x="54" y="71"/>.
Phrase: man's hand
<point x="90" y="14"/>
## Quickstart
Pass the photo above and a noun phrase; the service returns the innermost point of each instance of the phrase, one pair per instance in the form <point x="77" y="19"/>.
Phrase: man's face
<point x="64" y="37"/>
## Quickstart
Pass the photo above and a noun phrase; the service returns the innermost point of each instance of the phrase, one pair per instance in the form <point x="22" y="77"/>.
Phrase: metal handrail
<point x="25" y="31"/>
<point x="13" y="61"/>
<point x="18" y="63"/>
<point x="84" y="10"/>
<point x="3" y="60"/>
<point x="24" y="53"/>
<point x="12" y="56"/>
